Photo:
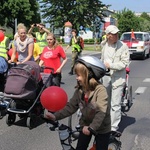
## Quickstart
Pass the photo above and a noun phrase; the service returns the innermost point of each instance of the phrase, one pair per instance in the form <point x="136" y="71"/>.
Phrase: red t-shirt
<point x="52" y="58"/>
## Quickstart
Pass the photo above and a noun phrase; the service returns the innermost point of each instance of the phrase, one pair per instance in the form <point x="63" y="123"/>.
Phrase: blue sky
<point x="133" y="5"/>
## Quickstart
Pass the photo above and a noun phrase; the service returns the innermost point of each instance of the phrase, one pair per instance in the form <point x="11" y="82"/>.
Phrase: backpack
<point x="81" y="43"/>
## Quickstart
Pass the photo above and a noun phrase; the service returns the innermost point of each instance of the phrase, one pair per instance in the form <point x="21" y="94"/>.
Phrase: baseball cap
<point x="112" y="29"/>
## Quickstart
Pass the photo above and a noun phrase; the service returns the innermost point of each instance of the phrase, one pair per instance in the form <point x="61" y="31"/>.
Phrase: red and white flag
<point x="132" y="34"/>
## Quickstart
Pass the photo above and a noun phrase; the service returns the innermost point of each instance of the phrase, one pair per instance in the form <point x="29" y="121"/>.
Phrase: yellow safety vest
<point x="103" y="37"/>
<point x="3" y="50"/>
<point x="41" y="40"/>
<point x="75" y="46"/>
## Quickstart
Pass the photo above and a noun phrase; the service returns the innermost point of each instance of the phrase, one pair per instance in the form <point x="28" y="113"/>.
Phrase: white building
<point x="86" y="34"/>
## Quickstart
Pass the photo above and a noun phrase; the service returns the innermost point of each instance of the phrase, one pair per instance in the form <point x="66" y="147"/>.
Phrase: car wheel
<point x="30" y="122"/>
<point x="143" y="56"/>
<point x="131" y="57"/>
<point x="148" y="55"/>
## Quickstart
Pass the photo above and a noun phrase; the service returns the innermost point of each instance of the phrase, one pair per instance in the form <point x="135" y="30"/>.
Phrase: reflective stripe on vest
<point x="3" y="51"/>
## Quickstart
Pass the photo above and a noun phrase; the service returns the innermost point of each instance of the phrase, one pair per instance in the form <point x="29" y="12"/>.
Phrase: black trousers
<point x="102" y="141"/>
<point x="56" y="80"/>
<point x="2" y="82"/>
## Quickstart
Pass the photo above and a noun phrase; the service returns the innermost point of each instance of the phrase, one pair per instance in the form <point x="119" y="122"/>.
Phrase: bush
<point x="98" y="40"/>
<point x="91" y="41"/>
<point x="86" y="41"/>
<point x="60" y="41"/>
<point x="10" y="36"/>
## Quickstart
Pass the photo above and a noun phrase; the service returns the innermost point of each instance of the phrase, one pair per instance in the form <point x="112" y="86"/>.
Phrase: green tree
<point x="127" y="21"/>
<point x="144" y="20"/>
<point x="145" y="16"/>
<point x="78" y="12"/>
<point x="26" y="11"/>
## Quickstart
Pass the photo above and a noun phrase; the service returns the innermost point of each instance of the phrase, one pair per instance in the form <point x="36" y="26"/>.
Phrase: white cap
<point x="112" y="29"/>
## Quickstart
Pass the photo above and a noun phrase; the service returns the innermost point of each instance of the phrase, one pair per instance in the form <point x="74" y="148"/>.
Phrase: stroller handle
<point x="46" y="67"/>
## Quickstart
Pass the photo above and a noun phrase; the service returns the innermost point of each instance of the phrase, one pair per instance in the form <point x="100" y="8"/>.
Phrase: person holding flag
<point x="132" y="34"/>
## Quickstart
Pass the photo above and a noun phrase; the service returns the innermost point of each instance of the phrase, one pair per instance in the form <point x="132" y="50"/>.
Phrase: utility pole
<point x="15" y="25"/>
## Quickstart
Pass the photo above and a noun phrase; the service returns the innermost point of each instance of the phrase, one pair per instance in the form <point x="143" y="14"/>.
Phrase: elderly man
<point x="115" y="56"/>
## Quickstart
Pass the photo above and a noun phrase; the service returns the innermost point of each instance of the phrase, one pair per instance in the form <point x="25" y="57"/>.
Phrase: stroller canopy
<point x="22" y="81"/>
<point x="36" y="68"/>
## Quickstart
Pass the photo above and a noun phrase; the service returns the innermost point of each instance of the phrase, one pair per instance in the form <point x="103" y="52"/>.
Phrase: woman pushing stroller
<point x="24" y="45"/>
<point x="51" y="57"/>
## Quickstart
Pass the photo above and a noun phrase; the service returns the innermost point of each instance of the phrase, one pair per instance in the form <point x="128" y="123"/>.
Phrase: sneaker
<point x="116" y="133"/>
<point x="71" y="73"/>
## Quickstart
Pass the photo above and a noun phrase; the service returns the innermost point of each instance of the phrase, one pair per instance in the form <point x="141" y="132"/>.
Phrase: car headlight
<point x="139" y="48"/>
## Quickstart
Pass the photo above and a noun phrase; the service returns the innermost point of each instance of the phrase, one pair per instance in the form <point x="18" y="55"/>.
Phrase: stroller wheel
<point x="113" y="146"/>
<point x="130" y="99"/>
<point x="114" y="141"/>
<point x="30" y="122"/>
<point x="1" y="116"/>
<point x="2" y="113"/>
<point x="10" y="118"/>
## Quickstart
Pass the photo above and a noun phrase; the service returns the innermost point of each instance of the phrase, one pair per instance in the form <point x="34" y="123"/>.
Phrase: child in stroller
<point x="24" y="86"/>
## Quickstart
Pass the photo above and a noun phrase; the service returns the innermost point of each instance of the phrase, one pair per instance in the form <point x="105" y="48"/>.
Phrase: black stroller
<point x="23" y="88"/>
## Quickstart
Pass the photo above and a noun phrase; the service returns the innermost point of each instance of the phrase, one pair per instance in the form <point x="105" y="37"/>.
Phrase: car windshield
<point x="127" y="37"/>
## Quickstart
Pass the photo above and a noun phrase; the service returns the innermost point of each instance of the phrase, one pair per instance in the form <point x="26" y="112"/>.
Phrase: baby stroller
<point x="126" y="101"/>
<point x="23" y="87"/>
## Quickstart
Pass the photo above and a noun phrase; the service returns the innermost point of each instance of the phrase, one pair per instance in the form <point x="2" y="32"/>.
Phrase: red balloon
<point x="10" y="53"/>
<point x="2" y="36"/>
<point x="54" y="98"/>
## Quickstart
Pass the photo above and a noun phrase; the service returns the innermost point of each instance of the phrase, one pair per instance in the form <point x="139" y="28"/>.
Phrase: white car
<point x="138" y="44"/>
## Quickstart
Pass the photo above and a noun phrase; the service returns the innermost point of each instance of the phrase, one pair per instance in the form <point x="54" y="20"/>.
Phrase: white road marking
<point x="146" y="80"/>
<point x="140" y="90"/>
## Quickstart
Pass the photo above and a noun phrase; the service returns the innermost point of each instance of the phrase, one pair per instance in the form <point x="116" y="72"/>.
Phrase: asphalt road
<point x="134" y="125"/>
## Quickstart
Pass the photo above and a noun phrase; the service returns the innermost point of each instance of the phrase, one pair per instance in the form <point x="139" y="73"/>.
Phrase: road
<point x="134" y="125"/>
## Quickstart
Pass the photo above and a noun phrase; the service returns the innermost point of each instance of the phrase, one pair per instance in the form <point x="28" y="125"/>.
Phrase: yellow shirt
<point x="36" y="50"/>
